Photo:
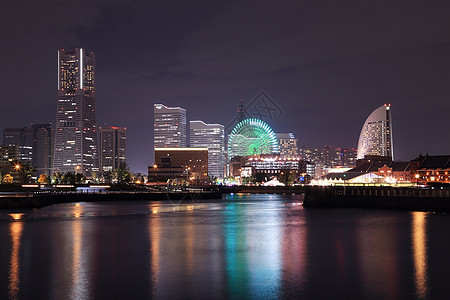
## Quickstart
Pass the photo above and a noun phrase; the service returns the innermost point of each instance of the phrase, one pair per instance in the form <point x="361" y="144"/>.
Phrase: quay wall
<point x="416" y="199"/>
<point x="36" y="200"/>
<point x="264" y="189"/>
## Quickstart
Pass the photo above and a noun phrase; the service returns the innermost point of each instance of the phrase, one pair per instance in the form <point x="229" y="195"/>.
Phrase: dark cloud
<point x="327" y="64"/>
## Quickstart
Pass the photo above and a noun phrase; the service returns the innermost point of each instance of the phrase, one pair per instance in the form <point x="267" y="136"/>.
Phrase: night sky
<point x="326" y="65"/>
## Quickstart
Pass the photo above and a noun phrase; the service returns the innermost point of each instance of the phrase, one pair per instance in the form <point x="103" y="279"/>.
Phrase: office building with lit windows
<point x="23" y="139"/>
<point x="211" y="136"/>
<point x="42" y="148"/>
<point x="376" y="134"/>
<point x="112" y="147"/>
<point x="287" y="145"/>
<point x="76" y="129"/>
<point x="169" y="126"/>
<point x="191" y="163"/>
<point x="8" y="154"/>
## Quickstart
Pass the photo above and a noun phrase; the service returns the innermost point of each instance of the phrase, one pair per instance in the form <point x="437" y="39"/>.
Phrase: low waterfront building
<point x="266" y="166"/>
<point x="235" y="166"/>
<point x="371" y="172"/>
<point x="431" y="169"/>
<point x="191" y="162"/>
<point x="272" y="165"/>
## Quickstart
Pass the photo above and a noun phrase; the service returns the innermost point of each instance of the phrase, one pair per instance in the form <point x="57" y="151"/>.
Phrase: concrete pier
<point x="417" y="199"/>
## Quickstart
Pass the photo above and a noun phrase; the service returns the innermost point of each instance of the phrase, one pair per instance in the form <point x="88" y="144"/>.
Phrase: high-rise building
<point x="8" y="154"/>
<point x="42" y="148"/>
<point x="287" y="145"/>
<point x="211" y="136"/>
<point x="169" y="126"/>
<point x="376" y="134"/>
<point x="331" y="156"/>
<point x="311" y="154"/>
<point x="349" y="157"/>
<point x="23" y="139"/>
<point x="76" y="133"/>
<point x="112" y="147"/>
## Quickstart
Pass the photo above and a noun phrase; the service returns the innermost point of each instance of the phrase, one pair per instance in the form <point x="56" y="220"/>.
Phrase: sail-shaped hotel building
<point x="376" y="134"/>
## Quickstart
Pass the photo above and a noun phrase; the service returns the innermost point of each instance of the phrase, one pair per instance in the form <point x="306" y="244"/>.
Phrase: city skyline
<point x="323" y="72"/>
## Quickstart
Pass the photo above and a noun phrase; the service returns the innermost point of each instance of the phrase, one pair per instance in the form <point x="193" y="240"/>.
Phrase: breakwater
<point x="41" y="199"/>
<point x="417" y="199"/>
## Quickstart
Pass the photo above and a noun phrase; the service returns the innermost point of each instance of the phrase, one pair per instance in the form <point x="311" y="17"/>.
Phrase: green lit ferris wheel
<point x="251" y="137"/>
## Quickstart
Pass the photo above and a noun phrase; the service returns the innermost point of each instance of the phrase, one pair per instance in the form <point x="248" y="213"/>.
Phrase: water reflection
<point x="80" y="280"/>
<point x="379" y="254"/>
<point x="15" y="230"/>
<point x="254" y="247"/>
<point x="264" y="251"/>
<point x="294" y="249"/>
<point x="155" y="241"/>
<point x="419" y="238"/>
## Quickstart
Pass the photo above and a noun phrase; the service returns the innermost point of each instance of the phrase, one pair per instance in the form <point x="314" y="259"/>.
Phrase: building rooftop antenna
<point x="241" y="111"/>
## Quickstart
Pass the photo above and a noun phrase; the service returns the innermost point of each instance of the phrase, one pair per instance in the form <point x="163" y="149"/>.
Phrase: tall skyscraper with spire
<point x="75" y="147"/>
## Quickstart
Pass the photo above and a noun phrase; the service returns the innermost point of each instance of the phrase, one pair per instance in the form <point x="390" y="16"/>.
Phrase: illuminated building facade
<point x="76" y="128"/>
<point x="376" y="134"/>
<point x="42" y="148"/>
<point x="192" y="161"/>
<point x="169" y="126"/>
<point x="211" y="136"/>
<point x="23" y="139"/>
<point x="287" y="145"/>
<point x="430" y="169"/>
<point x="273" y="165"/>
<point x="113" y="141"/>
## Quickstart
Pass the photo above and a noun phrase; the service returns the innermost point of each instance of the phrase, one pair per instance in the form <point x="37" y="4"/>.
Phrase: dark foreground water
<point x="247" y="246"/>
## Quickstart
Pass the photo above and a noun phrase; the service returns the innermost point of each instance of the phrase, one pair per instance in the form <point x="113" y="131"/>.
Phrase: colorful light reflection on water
<point x="248" y="246"/>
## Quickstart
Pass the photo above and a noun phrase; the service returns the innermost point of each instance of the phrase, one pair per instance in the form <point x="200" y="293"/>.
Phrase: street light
<point x="17" y="167"/>
<point x="417" y="178"/>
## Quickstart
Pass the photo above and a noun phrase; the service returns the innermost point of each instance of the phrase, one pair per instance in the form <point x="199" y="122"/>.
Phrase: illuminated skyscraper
<point x="76" y="133"/>
<point x="287" y="144"/>
<point x="211" y="136"/>
<point x="169" y="126"/>
<point x="112" y="147"/>
<point x="376" y="134"/>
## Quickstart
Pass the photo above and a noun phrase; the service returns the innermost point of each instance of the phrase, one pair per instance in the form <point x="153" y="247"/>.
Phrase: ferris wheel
<point x="251" y="137"/>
